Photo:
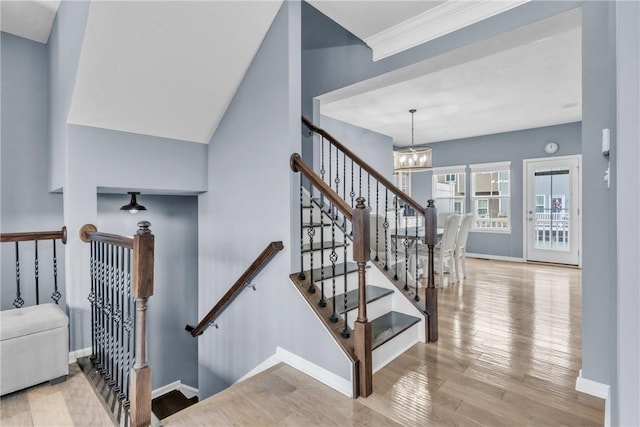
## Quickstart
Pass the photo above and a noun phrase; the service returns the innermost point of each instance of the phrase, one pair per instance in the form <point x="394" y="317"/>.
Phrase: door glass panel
<point x="552" y="209"/>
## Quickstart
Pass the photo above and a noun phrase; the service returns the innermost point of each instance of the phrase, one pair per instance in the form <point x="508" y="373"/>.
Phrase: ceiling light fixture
<point x="133" y="206"/>
<point x="412" y="159"/>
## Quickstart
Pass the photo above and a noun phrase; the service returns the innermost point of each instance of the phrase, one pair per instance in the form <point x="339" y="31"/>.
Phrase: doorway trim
<point x="525" y="183"/>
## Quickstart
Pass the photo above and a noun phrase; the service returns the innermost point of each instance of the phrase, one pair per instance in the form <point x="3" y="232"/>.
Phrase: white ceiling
<point x="166" y="68"/>
<point x="528" y="78"/>
<point x="365" y="18"/>
<point x="31" y="19"/>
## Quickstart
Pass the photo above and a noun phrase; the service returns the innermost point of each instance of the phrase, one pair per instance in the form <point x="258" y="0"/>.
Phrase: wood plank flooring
<point x="70" y="403"/>
<point x="508" y="354"/>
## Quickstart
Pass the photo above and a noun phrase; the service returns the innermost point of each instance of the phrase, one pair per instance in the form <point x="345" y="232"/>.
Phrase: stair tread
<point x="328" y="272"/>
<point x="390" y="325"/>
<point x="321" y="245"/>
<point x="373" y="293"/>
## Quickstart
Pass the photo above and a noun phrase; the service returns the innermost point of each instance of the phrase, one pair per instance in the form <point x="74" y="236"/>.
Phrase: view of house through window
<point x="491" y="197"/>
<point x="449" y="189"/>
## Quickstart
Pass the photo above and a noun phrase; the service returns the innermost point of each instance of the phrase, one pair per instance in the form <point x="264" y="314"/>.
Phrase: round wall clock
<point x="551" y="147"/>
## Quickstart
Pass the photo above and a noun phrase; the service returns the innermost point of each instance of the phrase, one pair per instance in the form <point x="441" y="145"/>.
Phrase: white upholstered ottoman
<point x="34" y="346"/>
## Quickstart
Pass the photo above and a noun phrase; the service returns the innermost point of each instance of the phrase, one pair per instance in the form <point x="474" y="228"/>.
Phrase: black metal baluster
<point x="18" y="301"/>
<point x="416" y="297"/>
<point x="333" y="258"/>
<point x="92" y="296"/>
<point x="116" y="322"/>
<point x="311" y="232"/>
<point x="345" y="330"/>
<point x="406" y="256"/>
<point x="101" y="334"/>
<point x="35" y="269"/>
<point x="329" y="175"/>
<point x="323" y="301"/>
<point x="359" y="181"/>
<point x="385" y="225"/>
<point x="129" y="324"/>
<point x="110" y="318"/>
<point x="122" y="353"/>
<point x="337" y="179"/>
<point x="377" y="216"/>
<point x="344" y="177"/>
<point x="56" y="295"/>
<point x="395" y="275"/>
<point x="301" y="275"/>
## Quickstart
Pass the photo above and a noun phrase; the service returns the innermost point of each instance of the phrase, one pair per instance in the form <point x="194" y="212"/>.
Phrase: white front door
<point x="552" y="210"/>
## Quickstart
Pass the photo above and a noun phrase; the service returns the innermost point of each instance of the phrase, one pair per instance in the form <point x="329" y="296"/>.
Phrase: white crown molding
<point x="433" y="23"/>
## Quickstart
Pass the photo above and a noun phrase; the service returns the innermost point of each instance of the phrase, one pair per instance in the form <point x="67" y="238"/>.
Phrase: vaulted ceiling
<point x="167" y="68"/>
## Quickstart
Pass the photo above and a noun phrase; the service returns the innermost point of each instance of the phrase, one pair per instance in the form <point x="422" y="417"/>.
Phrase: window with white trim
<point x="402" y="180"/>
<point x="491" y="196"/>
<point x="449" y="188"/>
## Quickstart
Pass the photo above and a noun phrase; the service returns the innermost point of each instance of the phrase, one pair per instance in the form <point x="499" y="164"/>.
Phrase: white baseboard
<point x="269" y="362"/>
<point x="596" y="389"/>
<point x="318" y="373"/>
<point x="77" y="354"/>
<point x="314" y="371"/>
<point x="187" y="390"/>
<point x="496" y="257"/>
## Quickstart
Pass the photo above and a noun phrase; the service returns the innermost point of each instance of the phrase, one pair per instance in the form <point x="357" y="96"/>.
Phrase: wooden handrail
<point x="298" y="165"/>
<point x="35" y="235"/>
<point x="364" y="165"/>
<point x="257" y="265"/>
<point x="89" y="233"/>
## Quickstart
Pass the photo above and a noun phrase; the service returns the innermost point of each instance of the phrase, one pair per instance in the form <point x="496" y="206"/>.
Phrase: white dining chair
<point x="443" y="253"/>
<point x="460" y="250"/>
<point x="377" y="222"/>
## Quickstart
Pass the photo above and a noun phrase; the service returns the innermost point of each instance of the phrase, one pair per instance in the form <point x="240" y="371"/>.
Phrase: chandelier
<point x="412" y="159"/>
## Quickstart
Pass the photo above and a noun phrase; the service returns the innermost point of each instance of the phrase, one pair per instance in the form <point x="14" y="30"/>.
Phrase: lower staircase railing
<point x="121" y="284"/>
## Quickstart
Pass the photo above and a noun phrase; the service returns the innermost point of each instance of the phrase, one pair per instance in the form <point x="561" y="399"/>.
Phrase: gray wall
<point x="509" y="146"/>
<point x="627" y="392"/>
<point x="599" y="217"/>
<point x="249" y="204"/>
<point x="64" y="46"/>
<point x="25" y="204"/>
<point x="172" y="352"/>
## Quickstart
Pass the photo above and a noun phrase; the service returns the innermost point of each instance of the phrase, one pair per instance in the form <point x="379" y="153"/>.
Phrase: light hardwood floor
<point x="70" y="403"/>
<point x="508" y="354"/>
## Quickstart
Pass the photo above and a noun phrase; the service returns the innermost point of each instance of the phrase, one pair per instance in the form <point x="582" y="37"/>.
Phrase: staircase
<point x="396" y="323"/>
<point x="359" y="271"/>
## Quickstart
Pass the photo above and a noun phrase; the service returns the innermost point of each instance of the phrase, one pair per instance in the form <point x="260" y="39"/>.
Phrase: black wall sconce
<point x="133" y="206"/>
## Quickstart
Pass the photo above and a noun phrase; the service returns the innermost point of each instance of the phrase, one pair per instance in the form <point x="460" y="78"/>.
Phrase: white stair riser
<point x="375" y="309"/>
<point x="393" y="348"/>
<point x="352" y="283"/>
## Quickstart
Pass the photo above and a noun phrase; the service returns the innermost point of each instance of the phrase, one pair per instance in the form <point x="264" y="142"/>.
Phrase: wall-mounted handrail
<point x="364" y="165"/>
<point x="260" y="262"/>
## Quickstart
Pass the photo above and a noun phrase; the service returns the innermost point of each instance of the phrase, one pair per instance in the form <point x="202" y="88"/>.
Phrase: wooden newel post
<point x="430" y="239"/>
<point x="142" y="289"/>
<point x="362" y="327"/>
